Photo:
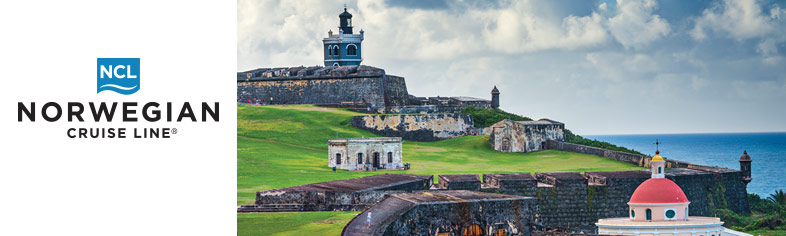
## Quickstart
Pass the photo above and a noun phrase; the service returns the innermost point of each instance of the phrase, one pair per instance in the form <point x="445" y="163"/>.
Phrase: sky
<point x="601" y="67"/>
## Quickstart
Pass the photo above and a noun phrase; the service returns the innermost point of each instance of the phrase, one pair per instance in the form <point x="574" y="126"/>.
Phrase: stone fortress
<point x="497" y="203"/>
<point x="462" y="203"/>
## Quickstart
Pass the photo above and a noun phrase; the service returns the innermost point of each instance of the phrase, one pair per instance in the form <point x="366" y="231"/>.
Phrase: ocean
<point x="767" y="151"/>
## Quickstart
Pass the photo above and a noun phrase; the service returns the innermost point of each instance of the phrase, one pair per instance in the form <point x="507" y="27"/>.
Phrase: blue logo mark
<point x="120" y="75"/>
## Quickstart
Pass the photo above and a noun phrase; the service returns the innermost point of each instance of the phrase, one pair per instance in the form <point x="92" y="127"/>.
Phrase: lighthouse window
<point x="670" y="214"/>
<point x="335" y="51"/>
<point x="352" y="50"/>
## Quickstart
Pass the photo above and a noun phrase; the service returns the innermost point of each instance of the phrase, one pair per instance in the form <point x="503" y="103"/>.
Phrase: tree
<point x="779" y="198"/>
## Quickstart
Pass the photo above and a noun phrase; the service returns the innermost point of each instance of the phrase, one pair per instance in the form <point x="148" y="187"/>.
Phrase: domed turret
<point x="658" y="198"/>
<point x="345" y="23"/>
<point x="495" y="98"/>
<point x="745" y="167"/>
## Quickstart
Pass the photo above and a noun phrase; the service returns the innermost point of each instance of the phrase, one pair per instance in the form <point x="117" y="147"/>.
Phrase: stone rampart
<point x="452" y="212"/>
<point x="349" y="194"/>
<point x="576" y="201"/>
<point x="359" y="86"/>
<point x="459" y="182"/>
<point x="420" y="127"/>
<point x="639" y="160"/>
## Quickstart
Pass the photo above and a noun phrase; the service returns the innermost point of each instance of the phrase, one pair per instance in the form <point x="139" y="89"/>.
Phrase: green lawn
<point x="283" y="146"/>
<point x="293" y="223"/>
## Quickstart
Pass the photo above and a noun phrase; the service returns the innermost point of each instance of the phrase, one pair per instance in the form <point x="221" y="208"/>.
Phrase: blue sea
<point x="767" y="150"/>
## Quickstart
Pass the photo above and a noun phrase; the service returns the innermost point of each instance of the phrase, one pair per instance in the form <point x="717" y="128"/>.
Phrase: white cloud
<point x="745" y="20"/>
<point x="738" y="19"/>
<point x="520" y="28"/>
<point x="635" y="26"/>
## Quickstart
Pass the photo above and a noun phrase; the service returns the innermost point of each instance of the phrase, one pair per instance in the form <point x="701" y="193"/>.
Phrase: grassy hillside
<point x="283" y="146"/>
<point x="293" y="223"/>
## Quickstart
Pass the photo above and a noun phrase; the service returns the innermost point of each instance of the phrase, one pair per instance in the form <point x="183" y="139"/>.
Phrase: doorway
<point x="376" y="160"/>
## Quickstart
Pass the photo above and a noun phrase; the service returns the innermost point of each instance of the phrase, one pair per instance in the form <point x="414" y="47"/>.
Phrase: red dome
<point x="658" y="191"/>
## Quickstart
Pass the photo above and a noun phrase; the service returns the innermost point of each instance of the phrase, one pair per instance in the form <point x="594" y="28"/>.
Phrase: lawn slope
<point x="283" y="146"/>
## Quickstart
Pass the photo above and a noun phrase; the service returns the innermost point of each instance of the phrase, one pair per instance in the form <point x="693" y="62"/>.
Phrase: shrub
<point x="487" y="117"/>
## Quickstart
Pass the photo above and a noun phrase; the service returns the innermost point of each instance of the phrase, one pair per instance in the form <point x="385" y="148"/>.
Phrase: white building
<point x="365" y="153"/>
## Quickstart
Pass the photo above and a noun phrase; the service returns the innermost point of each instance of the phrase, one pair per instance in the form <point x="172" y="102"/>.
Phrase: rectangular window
<point x="338" y="158"/>
<point x="390" y="157"/>
<point x="360" y="158"/>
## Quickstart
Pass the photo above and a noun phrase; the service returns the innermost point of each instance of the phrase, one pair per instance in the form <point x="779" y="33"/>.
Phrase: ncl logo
<point x="120" y="75"/>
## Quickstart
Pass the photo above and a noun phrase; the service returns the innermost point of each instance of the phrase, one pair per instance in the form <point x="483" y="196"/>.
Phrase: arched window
<point x="390" y="157"/>
<point x="336" y="64"/>
<point x="649" y="214"/>
<point x="360" y="158"/>
<point x="659" y="169"/>
<point x="352" y="50"/>
<point x="632" y="214"/>
<point x="330" y="50"/>
<point x="335" y="50"/>
<point x="338" y="158"/>
<point x="473" y="230"/>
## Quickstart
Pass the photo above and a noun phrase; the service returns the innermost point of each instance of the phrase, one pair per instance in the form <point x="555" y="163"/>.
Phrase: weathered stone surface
<point x="433" y="212"/>
<point x="352" y="194"/>
<point x="459" y="182"/>
<point x="422" y="127"/>
<point x="357" y="85"/>
<point x="639" y="160"/>
<point x="707" y="187"/>
<point x="576" y="201"/>
<point x="525" y="136"/>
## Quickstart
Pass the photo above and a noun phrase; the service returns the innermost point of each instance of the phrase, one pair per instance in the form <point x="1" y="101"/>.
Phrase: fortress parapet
<point x="352" y="86"/>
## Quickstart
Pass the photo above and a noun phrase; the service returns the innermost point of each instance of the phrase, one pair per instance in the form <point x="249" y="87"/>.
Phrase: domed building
<point x="658" y="207"/>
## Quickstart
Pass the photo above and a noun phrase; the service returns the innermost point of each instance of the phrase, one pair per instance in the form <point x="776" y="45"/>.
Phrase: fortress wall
<point x="709" y="191"/>
<point x="459" y="182"/>
<point x="514" y="216"/>
<point x="395" y="89"/>
<point x="707" y="187"/>
<point x="619" y="156"/>
<point x="566" y="200"/>
<point x="426" y="127"/>
<point x="325" y="91"/>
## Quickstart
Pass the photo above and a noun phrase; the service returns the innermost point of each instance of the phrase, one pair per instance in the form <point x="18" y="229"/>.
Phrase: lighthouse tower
<point x="343" y="48"/>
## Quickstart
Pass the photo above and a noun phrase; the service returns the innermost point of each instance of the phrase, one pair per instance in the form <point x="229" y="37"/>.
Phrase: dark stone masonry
<point x="456" y="212"/>
<point x="360" y="86"/>
<point x="459" y="182"/>
<point x="345" y="195"/>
